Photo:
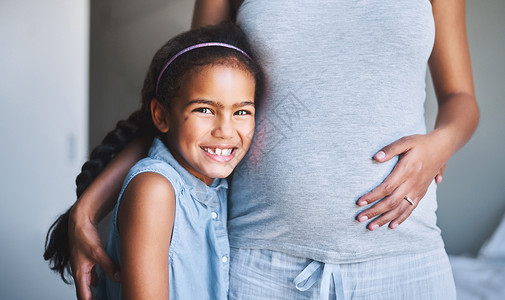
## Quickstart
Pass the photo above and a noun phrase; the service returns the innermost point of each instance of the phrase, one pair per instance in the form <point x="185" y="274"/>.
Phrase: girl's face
<point x="211" y="121"/>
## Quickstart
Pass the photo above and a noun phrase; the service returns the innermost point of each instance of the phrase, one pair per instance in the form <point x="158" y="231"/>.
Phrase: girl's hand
<point x="86" y="251"/>
<point x="421" y="159"/>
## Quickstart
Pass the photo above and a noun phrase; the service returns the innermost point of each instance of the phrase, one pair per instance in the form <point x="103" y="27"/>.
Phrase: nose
<point x="223" y="127"/>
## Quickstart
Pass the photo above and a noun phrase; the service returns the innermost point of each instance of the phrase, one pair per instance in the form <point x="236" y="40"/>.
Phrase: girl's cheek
<point x="249" y="127"/>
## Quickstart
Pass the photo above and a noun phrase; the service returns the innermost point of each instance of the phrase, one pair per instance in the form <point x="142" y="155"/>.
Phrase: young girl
<point x="168" y="231"/>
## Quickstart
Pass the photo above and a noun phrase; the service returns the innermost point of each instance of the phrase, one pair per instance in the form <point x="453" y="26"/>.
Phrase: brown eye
<point x="242" y="112"/>
<point x="203" y="110"/>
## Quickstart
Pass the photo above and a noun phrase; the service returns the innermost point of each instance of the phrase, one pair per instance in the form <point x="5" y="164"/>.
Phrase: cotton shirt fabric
<point x="199" y="249"/>
<point x="344" y="79"/>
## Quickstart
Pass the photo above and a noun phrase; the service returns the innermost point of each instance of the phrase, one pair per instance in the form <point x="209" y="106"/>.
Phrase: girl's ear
<point x="160" y="115"/>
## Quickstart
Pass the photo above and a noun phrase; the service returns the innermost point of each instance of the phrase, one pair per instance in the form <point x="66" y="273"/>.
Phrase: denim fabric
<point x="199" y="249"/>
<point x="265" y="274"/>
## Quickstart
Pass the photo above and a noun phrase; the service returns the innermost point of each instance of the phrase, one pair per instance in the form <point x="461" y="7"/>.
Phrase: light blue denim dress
<point x="199" y="249"/>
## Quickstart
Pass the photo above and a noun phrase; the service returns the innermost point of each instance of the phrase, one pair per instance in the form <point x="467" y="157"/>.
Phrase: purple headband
<point x="210" y="44"/>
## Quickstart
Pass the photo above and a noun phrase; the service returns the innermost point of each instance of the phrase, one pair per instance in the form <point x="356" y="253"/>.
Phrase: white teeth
<point x="219" y="151"/>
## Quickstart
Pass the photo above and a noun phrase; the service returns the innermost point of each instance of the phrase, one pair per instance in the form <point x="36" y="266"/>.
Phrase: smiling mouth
<point x="223" y="152"/>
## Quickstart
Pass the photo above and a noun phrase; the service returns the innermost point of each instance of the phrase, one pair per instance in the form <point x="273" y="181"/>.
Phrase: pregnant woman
<point x="340" y="149"/>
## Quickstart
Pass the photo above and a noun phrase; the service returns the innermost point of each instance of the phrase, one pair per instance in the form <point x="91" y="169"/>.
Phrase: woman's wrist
<point x="443" y="141"/>
<point x="81" y="213"/>
<point x="85" y="210"/>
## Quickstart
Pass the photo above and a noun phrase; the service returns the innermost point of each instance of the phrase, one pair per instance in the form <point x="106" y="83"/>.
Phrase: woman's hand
<point x="421" y="159"/>
<point x="423" y="156"/>
<point x="86" y="251"/>
<point x="98" y="200"/>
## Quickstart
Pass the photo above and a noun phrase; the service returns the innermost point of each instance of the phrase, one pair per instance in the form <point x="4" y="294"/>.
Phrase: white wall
<point x="43" y="136"/>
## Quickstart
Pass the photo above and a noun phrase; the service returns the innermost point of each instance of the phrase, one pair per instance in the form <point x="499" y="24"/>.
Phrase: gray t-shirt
<point x="344" y="79"/>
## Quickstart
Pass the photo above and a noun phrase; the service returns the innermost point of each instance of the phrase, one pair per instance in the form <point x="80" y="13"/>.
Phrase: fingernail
<point x="393" y="225"/>
<point x="117" y="276"/>
<point x="362" y="218"/>
<point x="380" y="155"/>
<point x="362" y="203"/>
<point x="373" y="227"/>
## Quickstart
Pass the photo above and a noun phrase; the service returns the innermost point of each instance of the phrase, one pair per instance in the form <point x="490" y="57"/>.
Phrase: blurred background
<point x="69" y="70"/>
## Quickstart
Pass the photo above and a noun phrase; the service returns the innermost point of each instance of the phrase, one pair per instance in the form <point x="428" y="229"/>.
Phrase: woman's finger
<point x="100" y="257"/>
<point x="404" y="208"/>
<point x="86" y="252"/>
<point x="406" y="213"/>
<point x="390" y="208"/>
<point x="409" y="201"/>
<point x="396" y="148"/>
<point x="82" y="280"/>
<point x="402" y="217"/>
<point x="388" y="204"/>
<point x="386" y="188"/>
<point x="438" y="178"/>
<point x="398" y="176"/>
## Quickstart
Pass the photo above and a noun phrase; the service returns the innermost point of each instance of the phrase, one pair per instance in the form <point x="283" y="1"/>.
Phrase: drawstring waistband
<point x="317" y="270"/>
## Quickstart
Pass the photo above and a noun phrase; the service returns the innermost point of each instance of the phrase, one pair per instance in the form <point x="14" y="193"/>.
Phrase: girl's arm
<point x="145" y="220"/>
<point x="211" y="12"/>
<point x="422" y="156"/>
<point x="86" y="249"/>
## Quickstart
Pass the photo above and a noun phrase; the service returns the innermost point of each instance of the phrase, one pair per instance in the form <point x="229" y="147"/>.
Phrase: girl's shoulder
<point x="152" y="184"/>
<point x="149" y="186"/>
<point x="155" y="166"/>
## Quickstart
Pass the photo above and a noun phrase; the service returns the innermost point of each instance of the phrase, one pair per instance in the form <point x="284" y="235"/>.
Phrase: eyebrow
<point x="218" y="104"/>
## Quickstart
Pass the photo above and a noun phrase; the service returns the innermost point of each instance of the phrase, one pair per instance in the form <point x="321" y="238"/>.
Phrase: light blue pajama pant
<point x="264" y="274"/>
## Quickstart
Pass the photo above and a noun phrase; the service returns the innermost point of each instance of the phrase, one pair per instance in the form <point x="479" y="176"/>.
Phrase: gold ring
<point x="409" y="200"/>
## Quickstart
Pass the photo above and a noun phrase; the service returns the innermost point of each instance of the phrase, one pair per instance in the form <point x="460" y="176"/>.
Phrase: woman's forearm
<point x="451" y="72"/>
<point x="100" y="197"/>
<point x="210" y="12"/>
<point x="457" y="119"/>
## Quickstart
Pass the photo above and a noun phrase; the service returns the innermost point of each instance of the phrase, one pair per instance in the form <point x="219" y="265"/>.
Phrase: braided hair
<point x="139" y="123"/>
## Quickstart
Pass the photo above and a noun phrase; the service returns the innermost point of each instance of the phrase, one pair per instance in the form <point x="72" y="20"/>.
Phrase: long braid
<point x="57" y="250"/>
<point x="112" y="144"/>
